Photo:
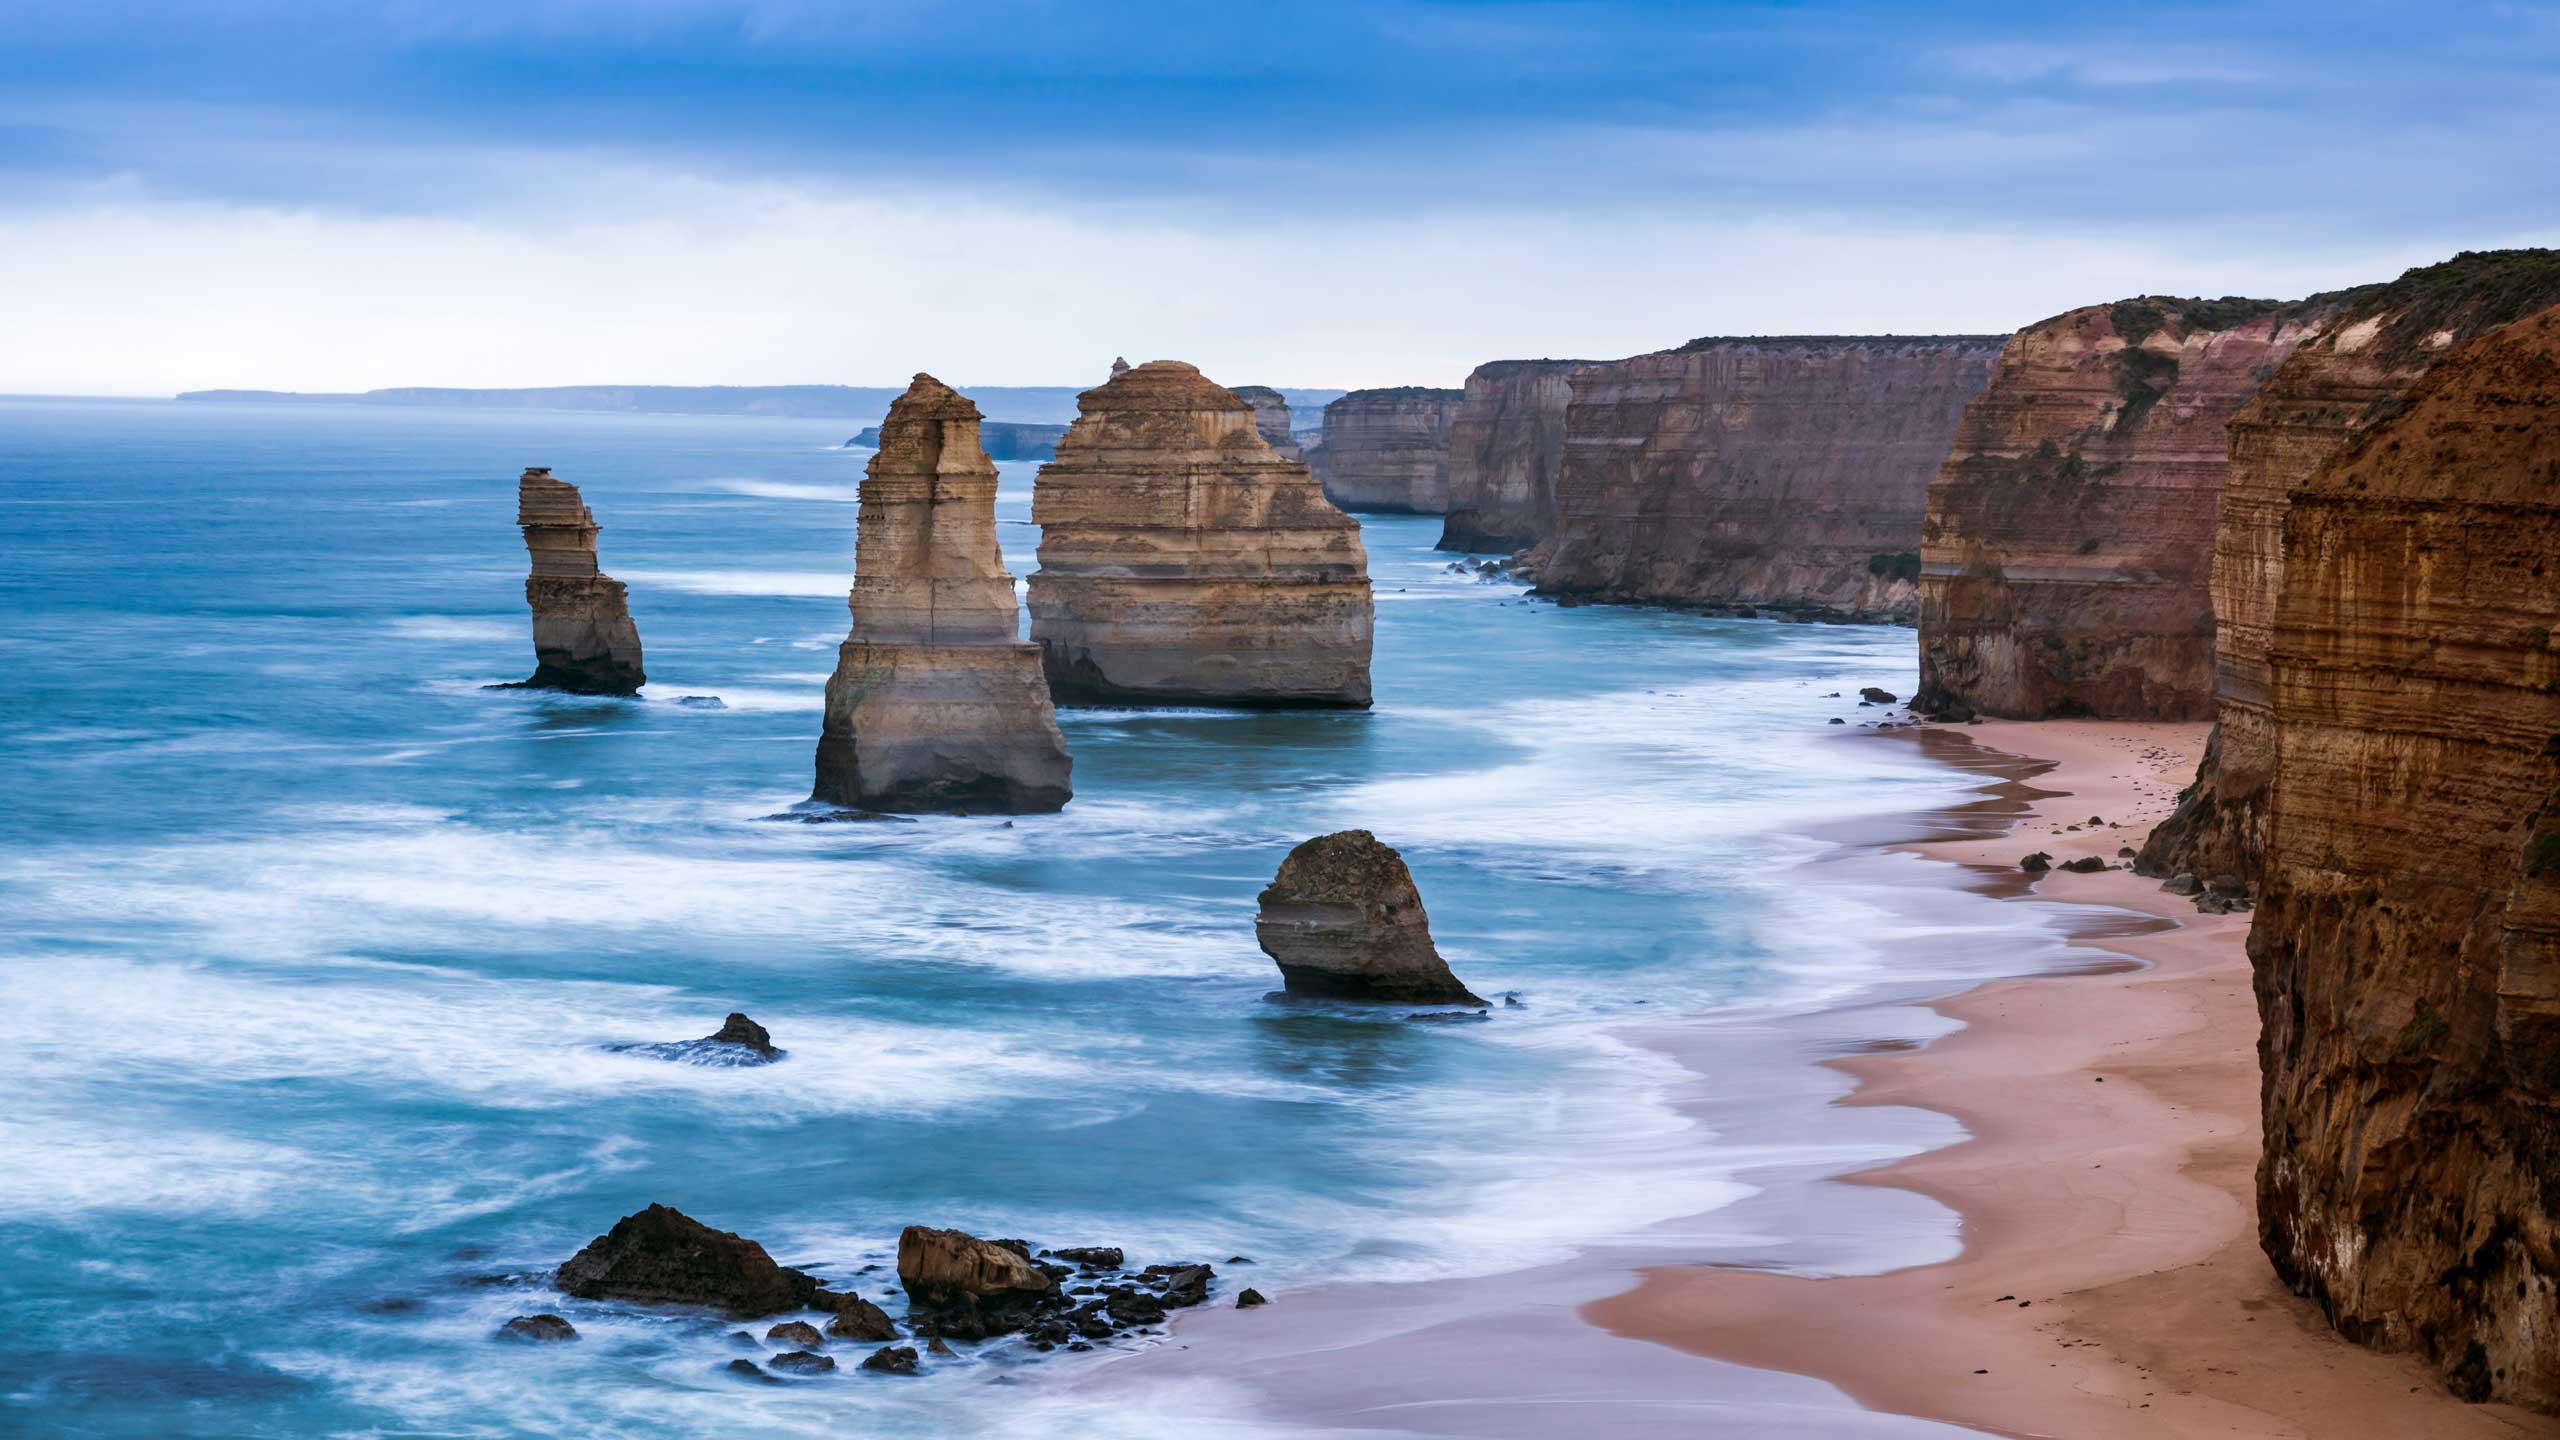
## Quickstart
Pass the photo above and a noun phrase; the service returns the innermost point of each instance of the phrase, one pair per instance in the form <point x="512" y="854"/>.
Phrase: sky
<point x="337" y="196"/>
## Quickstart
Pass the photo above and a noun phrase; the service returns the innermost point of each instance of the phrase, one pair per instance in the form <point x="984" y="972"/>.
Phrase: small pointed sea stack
<point x="1342" y="918"/>
<point x="1183" y="561"/>
<point x="583" y="638"/>
<point x="936" y="704"/>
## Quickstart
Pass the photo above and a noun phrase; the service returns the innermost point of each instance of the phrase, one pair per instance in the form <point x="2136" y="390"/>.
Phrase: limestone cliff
<point x="2064" y="561"/>
<point x="1271" y="417"/>
<point x="1781" y="473"/>
<point x="2379" y="342"/>
<point x="1387" y="451"/>
<point x="583" y="637"/>
<point x="935" y="703"/>
<point x="1182" y="561"/>
<point x="2407" y="944"/>
<point x="1504" y="451"/>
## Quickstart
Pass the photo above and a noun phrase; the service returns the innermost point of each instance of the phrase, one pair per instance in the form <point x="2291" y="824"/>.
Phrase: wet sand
<point x="2109" y="1282"/>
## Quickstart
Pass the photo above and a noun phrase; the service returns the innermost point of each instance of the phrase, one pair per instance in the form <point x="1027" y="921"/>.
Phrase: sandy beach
<point x="2110" y="1282"/>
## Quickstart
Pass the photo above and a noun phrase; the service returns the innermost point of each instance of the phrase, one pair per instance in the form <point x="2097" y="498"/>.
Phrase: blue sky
<point x="555" y="191"/>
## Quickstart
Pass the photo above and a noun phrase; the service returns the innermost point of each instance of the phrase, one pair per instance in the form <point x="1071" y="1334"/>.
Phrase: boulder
<point x="802" y="1362"/>
<point x="538" y="1328"/>
<point x="1342" y="918"/>
<point x="661" y="1256"/>
<point x="1876" y="695"/>
<point x="2085" y="865"/>
<point x="1248" y="1298"/>
<point x="939" y="1267"/>
<point x="859" y="1319"/>
<point x="2036" y="864"/>
<point x="798" y="1334"/>
<point x="891" y="1360"/>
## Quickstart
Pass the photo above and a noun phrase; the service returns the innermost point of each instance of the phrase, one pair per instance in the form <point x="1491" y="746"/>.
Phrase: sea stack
<point x="1505" y="449"/>
<point x="2407" y="941"/>
<point x="583" y="638"/>
<point x="1784" y="474"/>
<point x="936" y="703"/>
<point x="1342" y="919"/>
<point x="1271" y="417"/>
<point x="2069" y="539"/>
<point x="1387" y="451"/>
<point x="1183" y="561"/>
<point x="2335" y="387"/>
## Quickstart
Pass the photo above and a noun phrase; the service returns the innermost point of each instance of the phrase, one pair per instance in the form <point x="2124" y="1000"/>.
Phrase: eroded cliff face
<point x="1271" y="417"/>
<point x="1183" y="561"/>
<point x="583" y="637"/>
<point x="2069" y="540"/>
<point x="1387" y="451"/>
<point x="2378" y="342"/>
<point x="2407" y="943"/>
<point x="1505" y="449"/>
<point x="936" y="704"/>
<point x="1778" y="473"/>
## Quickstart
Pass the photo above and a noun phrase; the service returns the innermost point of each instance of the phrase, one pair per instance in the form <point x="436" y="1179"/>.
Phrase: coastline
<point x="2109" y="1281"/>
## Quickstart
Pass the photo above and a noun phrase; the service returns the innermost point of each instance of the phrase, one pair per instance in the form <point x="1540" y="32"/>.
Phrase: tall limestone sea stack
<point x="583" y="637"/>
<point x="1776" y="473"/>
<point x="1505" y="449"/>
<point x="2069" y="538"/>
<point x="936" y="704"/>
<point x="1182" y="561"/>
<point x="1387" y="451"/>
<point x="2379" y="343"/>
<point x="2407" y="942"/>
<point x="1271" y="417"/>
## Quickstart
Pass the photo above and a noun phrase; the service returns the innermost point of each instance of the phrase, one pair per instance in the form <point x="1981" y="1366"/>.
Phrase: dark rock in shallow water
<point x="1443" y="1017"/>
<point x="1248" y="1298"/>
<point x="841" y="816"/>
<point x="1183" y="1284"/>
<point x="662" y="1256"/>
<point x="702" y="702"/>
<point x="2036" y="864"/>
<point x="859" y="1319"/>
<point x="1876" y="695"/>
<point x="538" y="1328"/>
<point x="1342" y="918"/>
<point x="892" y="1360"/>
<point x="738" y="1041"/>
<point x="1107" y="1256"/>
<point x="749" y="1370"/>
<point x="798" y="1334"/>
<point x="939" y="1266"/>
<point x="802" y="1362"/>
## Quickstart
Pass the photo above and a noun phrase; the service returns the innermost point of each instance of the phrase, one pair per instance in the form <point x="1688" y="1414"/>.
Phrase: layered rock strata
<point x="1342" y="918"/>
<point x="583" y="637"/>
<point x="935" y="703"/>
<point x="1387" y="451"/>
<point x="1271" y="417"/>
<point x="2407" y="944"/>
<point x="1783" y="474"/>
<point x="2069" y="539"/>
<point x="1505" y="448"/>
<point x="2379" y="342"/>
<point x="1183" y="561"/>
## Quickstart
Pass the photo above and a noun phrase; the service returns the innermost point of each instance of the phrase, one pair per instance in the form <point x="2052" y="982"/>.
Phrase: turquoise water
<point x="315" y="947"/>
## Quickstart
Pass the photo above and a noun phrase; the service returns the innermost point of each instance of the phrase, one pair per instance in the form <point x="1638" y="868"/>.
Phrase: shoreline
<point x="2109" y="1281"/>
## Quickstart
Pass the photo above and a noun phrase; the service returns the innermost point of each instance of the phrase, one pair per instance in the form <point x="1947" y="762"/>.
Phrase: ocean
<point x="317" y="950"/>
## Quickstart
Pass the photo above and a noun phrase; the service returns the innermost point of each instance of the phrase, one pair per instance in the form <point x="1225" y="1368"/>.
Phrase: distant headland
<point x="1032" y="404"/>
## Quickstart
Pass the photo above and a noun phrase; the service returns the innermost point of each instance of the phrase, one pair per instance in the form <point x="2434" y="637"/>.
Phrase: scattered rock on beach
<point x="2036" y="864"/>
<point x="2182" y="884"/>
<point x="2085" y="865"/>
<point x="1248" y="1298"/>
<point x="539" y="1329"/>
<point x="891" y="1360"/>
<point x="1879" y="696"/>
<point x="662" y="1256"/>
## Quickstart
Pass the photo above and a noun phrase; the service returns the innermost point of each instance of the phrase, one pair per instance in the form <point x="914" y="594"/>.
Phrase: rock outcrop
<point x="1505" y="449"/>
<point x="583" y="638"/>
<point x="2379" y="343"/>
<point x="1387" y="451"/>
<point x="1342" y="918"/>
<point x="1779" y="474"/>
<point x="2069" y="539"/>
<point x="1000" y="439"/>
<point x="738" y="1041"/>
<point x="2407" y="942"/>
<point x="936" y="1267"/>
<point x="936" y="704"/>
<point x="661" y="1256"/>
<point x="1182" y="561"/>
<point x="1271" y="417"/>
